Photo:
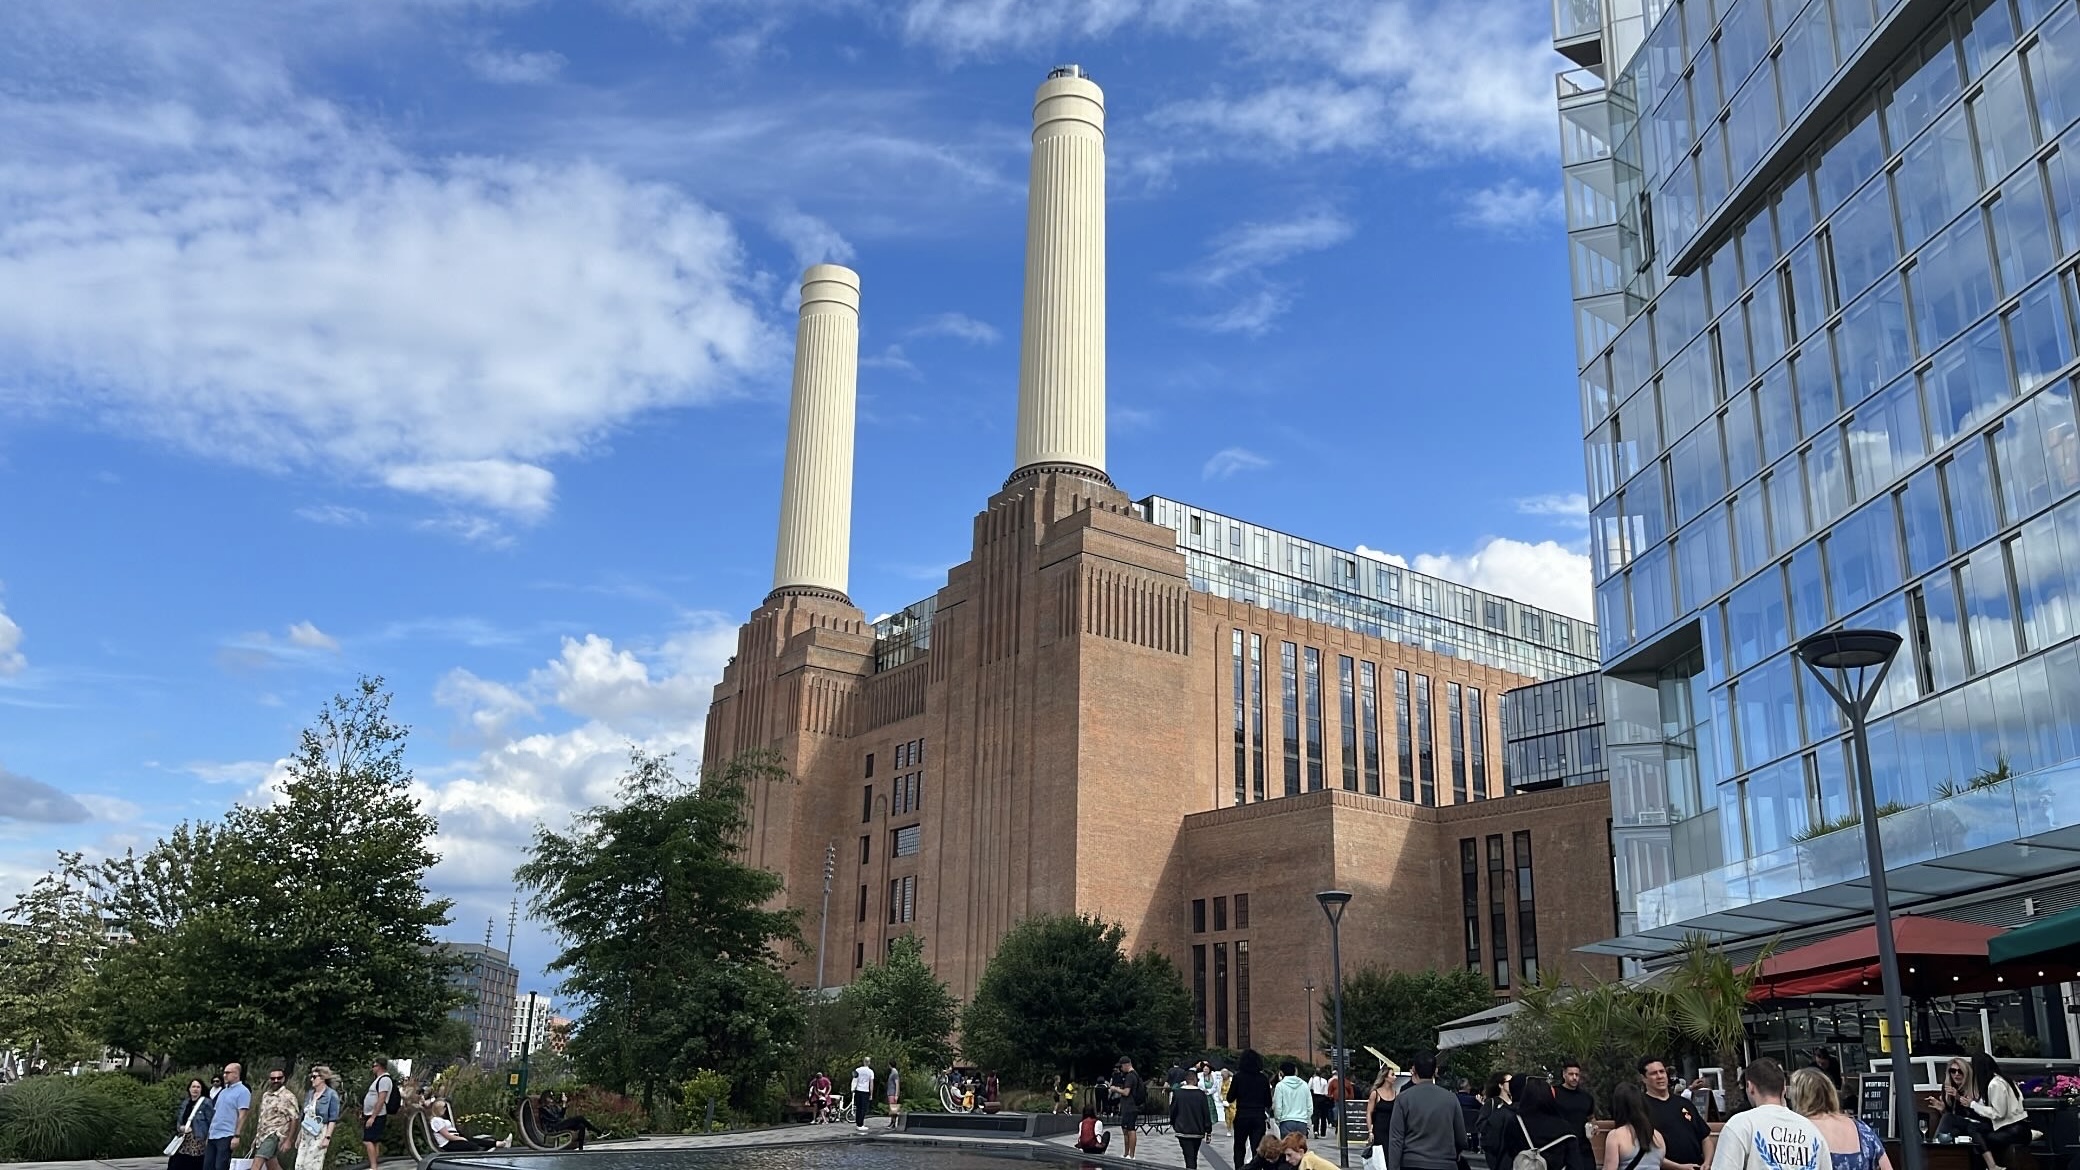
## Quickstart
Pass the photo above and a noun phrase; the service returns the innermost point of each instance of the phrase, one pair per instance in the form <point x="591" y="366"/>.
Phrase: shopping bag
<point x="241" y="1164"/>
<point x="173" y="1145"/>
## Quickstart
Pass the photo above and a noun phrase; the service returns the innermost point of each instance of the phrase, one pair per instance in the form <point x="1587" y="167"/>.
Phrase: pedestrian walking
<point x="228" y="1120"/>
<point x="1379" y="1111"/>
<point x="1211" y="1082"/>
<point x="191" y="1127"/>
<point x="376" y="1107"/>
<point x="1249" y="1091"/>
<point x="1578" y="1108"/>
<point x="1292" y="1102"/>
<point x="277" y="1129"/>
<point x="1768" y="1136"/>
<point x="1498" y="1120"/>
<point x="320" y="1115"/>
<point x="1851" y="1144"/>
<point x="895" y="1094"/>
<point x="1191" y="1119"/>
<point x="1632" y="1143"/>
<point x="1318" y="1087"/>
<point x="1428" y="1129"/>
<point x="1539" y="1124"/>
<point x="1683" y="1129"/>
<point x="862" y="1093"/>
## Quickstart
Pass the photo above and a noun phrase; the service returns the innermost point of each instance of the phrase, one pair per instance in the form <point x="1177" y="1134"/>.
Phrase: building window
<point x="870" y="765"/>
<point x="1498" y="911"/>
<point x="866" y="804"/>
<point x="908" y="840"/>
<point x="1347" y="687"/>
<point x="1368" y="704"/>
<point x="859" y="955"/>
<point x="1242" y="994"/>
<point x="902" y="899"/>
<point x="863" y="903"/>
<point x="1198" y="916"/>
<point x="864" y="842"/>
<point x="1527" y="908"/>
<point x="1314" y="719"/>
<point x="907" y="796"/>
<point x="1477" y="726"/>
<point x="1199" y="989"/>
<point x="1220" y="995"/>
<point x="1470" y="899"/>
<point x="1289" y="694"/>
<point x="1455" y="719"/>
<point x="1404" y="754"/>
<point x="1426" y="748"/>
<point x="1241" y="724"/>
<point x="1220" y="914"/>
<point x="1242" y="911"/>
<point x="1256" y="709"/>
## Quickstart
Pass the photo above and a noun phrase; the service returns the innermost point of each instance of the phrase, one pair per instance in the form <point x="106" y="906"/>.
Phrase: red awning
<point x="1937" y="956"/>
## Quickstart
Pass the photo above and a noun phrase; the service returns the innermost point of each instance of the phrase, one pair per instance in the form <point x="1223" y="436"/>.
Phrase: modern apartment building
<point x="489" y="982"/>
<point x="531" y="1015"/>
<point x="1824" y="303"/>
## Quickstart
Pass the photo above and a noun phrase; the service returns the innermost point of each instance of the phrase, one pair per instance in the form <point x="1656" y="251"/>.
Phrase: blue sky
<point x="449" y="341"/>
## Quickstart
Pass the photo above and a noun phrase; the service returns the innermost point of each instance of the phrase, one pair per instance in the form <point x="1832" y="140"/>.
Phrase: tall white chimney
<point x="815" y="543"/>
<point x="1061" y="361"/>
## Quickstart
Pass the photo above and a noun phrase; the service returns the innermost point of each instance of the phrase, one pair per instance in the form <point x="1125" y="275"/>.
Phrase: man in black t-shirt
<point x="1578" y="1108"/>
<point x="1126" y="1089"/>
<point x="1682" y="1128"/>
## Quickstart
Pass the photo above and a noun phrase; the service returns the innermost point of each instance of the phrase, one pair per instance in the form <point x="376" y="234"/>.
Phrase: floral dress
<point x="320" y="1109"/>
<point x="1868" y="1151"/>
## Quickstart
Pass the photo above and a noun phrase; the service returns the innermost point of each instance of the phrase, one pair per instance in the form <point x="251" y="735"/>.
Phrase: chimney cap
<point x="1067" y="71"/>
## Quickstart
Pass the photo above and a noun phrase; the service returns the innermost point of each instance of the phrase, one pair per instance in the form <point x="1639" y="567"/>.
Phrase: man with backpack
<point x="1428" y="1128"/>
<point x="1131" y="1093"/>
<point x="376" y="1107"/>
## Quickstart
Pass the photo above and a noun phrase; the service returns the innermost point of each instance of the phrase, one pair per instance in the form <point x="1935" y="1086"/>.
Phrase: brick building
<point x="1174" y="719"/>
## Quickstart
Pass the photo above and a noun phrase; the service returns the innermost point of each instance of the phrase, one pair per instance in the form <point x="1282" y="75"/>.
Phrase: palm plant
<point x="1706" y="998"/>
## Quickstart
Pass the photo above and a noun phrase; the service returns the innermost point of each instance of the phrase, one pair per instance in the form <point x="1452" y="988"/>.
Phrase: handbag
<point x="173" y="1144"/>
<point x="1530" y="1159"/>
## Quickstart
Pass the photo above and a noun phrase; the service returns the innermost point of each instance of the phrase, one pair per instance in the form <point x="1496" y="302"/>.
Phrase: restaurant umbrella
<point x="2055" y="939"/>
<point x="1937" y="956"/>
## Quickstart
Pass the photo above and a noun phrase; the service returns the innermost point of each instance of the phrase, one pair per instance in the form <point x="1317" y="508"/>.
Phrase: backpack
<point x="396" y="1098"/>
<point x="1492" y="1130"/>
<point x="1140" y="1091"/>
<point x="1534" y="1157"/>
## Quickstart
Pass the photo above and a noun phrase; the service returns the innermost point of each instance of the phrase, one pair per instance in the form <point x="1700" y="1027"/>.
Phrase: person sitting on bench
<point x="451" y="1140"/>
<point x="555" y="1120"/>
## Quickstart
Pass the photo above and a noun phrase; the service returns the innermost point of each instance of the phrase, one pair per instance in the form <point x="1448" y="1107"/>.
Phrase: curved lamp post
<point x="1333" y="902"/>
<point x="1837" y="653"/>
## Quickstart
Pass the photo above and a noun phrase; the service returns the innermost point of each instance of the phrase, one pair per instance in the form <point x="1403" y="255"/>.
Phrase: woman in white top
<point x="447" y="1137"/>
<point x="1978" y="1101"/>
<point x="1632" y="1143"/>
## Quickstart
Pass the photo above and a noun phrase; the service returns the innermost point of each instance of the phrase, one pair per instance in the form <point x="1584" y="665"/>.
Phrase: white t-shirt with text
<point x="1771" y="1137"/>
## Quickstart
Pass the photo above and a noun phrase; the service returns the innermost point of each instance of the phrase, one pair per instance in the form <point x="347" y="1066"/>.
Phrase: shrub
<point x="611" y="1112"/>
<point x="497" y="1125"/>
<point x="1024" y="1101"/>
<point x="100" y="1115"/>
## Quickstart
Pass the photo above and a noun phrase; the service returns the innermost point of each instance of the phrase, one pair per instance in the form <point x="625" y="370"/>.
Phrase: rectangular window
<point x="902" y="899"/>
<point x="866" y="805"/>
<point x="1241" y="724"/>
<point x="1426" y="747"/>
<point x="1404" y="753"/>
<point x="864" y="842"/>
<point x="1220" y="914"/>
<point x="1256" y="708"/>
<point x="1289" y="724"/>
<point x="1455" y="716"/>
<point x="908" y="839"/>
<point x="1527" y="909"/>
<point x="1242" y="911"/>
<point x="1477" y="725"/>
<point x="859" y="954"/>
<point x="1198" y="916"/>
<point x="1368" y="702"/>
<point x="1347" y="687"/>
<point x="1220" y="995"/>
<point x="1470" y="899"/>
<point x="1242" y="994"/>
<point x="1498" y="912"/>
<point x="1199" y="989"/>
<point x="870" y="765"/>
<point x="1314" y="719"/>
<point x="863" y="903"/>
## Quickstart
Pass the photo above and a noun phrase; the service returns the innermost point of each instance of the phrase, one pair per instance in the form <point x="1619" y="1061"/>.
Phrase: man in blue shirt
<point x="234" y="1101"/>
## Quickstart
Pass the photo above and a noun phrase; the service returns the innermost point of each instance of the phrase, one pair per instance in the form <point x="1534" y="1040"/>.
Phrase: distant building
<point x="1552" y="733"/>
<point x="559" y="1034"/>
<point x="489" y="983"/>
<point x="530" y="1031"/>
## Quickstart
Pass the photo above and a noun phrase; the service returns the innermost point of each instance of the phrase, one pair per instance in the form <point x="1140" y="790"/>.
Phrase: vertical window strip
<point x="1220" y="995"/>
<point x="1498" y="912"/>
<point x="1241" y="724"/>
<point x="1256" y="707"/>
<point x="1478" y="725"/>
<point x="1289" y="709"/>
<point x="1347" y="687"/>
<point x="1404" y="754"/>
<point x="1470" y="899"/>
<point x="1527" y="908"/>
<point x="1426" y="746"/>
<point x="1314" y="720"/>
<point x="1455" y="714"/>
<point x="1368" y="700"/>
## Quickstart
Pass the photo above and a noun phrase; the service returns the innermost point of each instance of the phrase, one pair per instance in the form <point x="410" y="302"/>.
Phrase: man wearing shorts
<point x="895" y="1094"/>
<point x="375" y="1110"/>
<point x="1127" y="1090"/>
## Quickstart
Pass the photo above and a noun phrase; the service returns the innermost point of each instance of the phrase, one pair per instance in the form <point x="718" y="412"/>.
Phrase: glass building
<point x="1821" y="254"/>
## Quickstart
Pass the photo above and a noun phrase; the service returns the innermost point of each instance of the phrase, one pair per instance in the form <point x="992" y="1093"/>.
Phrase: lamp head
<point x="1333" y="902"/>
<point x="1848" y="649"/>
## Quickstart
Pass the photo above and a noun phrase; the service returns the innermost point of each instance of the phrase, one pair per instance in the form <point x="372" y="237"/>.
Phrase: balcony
<point x="1578" y="31"/>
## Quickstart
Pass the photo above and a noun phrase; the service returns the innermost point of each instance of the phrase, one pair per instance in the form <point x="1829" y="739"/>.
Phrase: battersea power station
<point x="1176" y="720"/>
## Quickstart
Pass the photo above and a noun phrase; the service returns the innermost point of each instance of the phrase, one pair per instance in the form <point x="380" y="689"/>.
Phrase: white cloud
<point x="968" y="28"/>
<point x="517" y="489"/>
<point x="333" y="515"/>
<point x="1230" y="460"/>
<point x="959" y="326"/>
<point x="310" y="637"/>
<point x="1547" y="574"/>
<point x="248" y="772"/>
<point x="24" y="799"/>
<point x="1252" y="247"/>
<point x="810" y="239"/>
<point x="1512" y="208"/>
<point x="12" y="661"/>
<point x="1296" y="118"/>
<point x="1254" y="314"/>
<point x="1571" y="508"/>
<point x="511" y="67"/>
<point x="892" y="358"/>
<point x="1384" y="557"/>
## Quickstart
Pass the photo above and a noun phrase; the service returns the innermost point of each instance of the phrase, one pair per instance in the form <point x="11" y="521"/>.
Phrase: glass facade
<point x="1826" y="332"/>
<point x="1247" y="562"/>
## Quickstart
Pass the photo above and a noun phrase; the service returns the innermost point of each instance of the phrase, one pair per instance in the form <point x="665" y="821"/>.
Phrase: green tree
<point x="48" y="940"/>
<point x="1399" y="1012"/>
<point x="298" y="926"/>
<point x="1061" y="996"/>
<point x="668" y="939"/>
<point x="900" y="999"/>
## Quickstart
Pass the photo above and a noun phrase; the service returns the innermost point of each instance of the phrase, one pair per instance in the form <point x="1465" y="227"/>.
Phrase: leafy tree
<point x="1398" y="1012"/>
<point x="1061" y="996"/>
<point x="900" y="999"/>
<point x="667" y="936"/>
<point x="48" y="940"/>
<point x="299" y="926"/>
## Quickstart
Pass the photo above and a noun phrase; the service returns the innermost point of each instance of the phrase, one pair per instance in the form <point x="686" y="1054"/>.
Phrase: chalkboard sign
<point x="1874" y="1102"/>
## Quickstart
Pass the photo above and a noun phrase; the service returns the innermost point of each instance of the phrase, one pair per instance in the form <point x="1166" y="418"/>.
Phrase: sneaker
<point x="862" y="1129"/>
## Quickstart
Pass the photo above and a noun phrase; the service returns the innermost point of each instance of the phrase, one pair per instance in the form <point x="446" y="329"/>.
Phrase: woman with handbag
<point x="1540" y="1130"/>
<point x="320" y="1115"/>
<point x="1632" y="1143"/>
<point x="190" y="1128"/>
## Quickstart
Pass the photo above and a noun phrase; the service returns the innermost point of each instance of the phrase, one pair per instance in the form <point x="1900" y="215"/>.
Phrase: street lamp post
<point x="1333" y="902"/>
<point x="823" y="929"/>
<point x="1309" y="989"/>
<point x="1837" y="652"/>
